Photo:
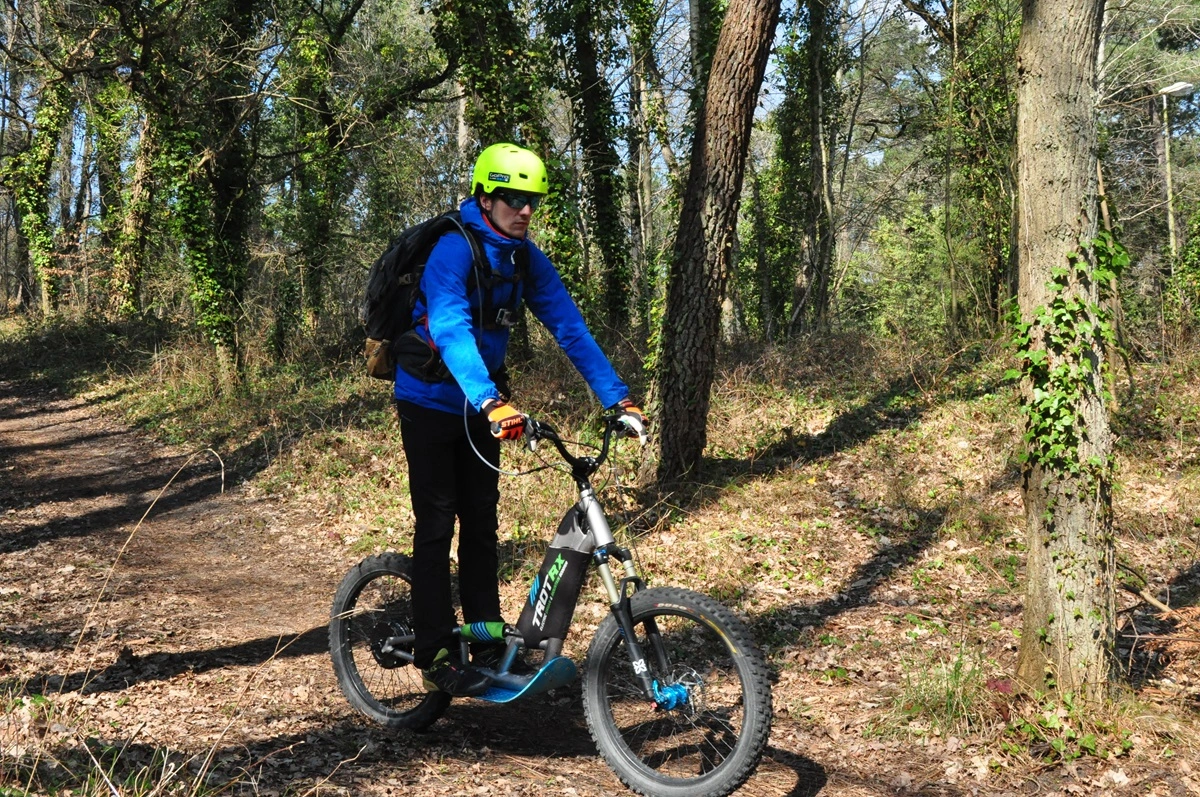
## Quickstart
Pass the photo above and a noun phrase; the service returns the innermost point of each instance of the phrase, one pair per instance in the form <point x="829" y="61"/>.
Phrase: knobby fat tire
<point x="751" y="670"/>
<point x="430" y="705"/>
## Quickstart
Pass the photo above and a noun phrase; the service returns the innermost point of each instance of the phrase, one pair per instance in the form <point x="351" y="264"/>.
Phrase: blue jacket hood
<point x="489" y="236"/>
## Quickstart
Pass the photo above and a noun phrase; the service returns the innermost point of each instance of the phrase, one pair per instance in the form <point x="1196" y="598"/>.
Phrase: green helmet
<point x="509" y="166"/>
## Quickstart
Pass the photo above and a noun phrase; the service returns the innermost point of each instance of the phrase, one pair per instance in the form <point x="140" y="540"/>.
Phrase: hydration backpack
<point x="394" y="285"/>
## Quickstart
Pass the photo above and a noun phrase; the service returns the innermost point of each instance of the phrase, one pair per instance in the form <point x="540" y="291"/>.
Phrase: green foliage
<point x="28" y="177"/>
<point x="788" y="222"/>
<point x="193" y="221"/>
<point x="314" y="126"/>
<point x="931" y="112"/>
<point x="899" y="285"/>
<point x="771" y="252"/>
<point x="505" y="81"/>
<point x="1057" y="350"/>
<point x="980" y="135"/>
<point x="582" y="38"/>
<point x="125" y="203"/>
<point x="1150" y="44"/>
<point x="950" y="696"/>
<point x="1063" y="730"/>
<point x="1182" y="299"/>
<point x="556" y="224"/>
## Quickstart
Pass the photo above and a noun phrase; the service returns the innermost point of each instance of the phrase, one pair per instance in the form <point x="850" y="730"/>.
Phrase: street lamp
<point x="1179" y="89"/>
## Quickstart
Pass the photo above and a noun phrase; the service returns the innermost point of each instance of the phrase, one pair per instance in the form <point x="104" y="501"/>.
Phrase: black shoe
<point x="492" y="657"/>
<point x="453" y="678"/>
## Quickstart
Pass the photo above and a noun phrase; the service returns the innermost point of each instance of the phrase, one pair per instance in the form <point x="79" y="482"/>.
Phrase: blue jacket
<point x="443" y="316"/>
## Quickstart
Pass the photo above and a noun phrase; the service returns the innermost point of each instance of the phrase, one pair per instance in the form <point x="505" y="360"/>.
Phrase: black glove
<point x="500" y="380"/>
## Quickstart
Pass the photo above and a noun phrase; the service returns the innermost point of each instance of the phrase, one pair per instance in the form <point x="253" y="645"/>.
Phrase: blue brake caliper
<point x="671" y="696"/>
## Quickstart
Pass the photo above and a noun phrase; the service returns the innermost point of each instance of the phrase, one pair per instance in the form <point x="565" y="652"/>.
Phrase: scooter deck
<point x="557" y="672"/>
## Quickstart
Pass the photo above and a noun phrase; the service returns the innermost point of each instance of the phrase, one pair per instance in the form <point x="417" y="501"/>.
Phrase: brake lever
<point x="632" y="427"/>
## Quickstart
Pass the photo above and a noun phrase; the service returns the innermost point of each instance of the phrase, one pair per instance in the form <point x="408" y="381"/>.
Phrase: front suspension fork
<point x="618" y="597"/>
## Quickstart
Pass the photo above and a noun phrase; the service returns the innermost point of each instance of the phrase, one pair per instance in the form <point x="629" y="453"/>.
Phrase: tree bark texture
<point x="1068" y="632"/>
<point x="704" y="243"/>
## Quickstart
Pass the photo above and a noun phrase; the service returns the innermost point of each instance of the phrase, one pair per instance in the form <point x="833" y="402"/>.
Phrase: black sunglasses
<point x="518" y="201"/>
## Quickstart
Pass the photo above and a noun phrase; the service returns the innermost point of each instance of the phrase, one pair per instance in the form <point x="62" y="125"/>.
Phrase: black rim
<point x="381" y="612"/>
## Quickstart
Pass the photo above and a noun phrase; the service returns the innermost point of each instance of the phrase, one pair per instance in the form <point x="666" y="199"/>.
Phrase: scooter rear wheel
<point x="370" y="641"/>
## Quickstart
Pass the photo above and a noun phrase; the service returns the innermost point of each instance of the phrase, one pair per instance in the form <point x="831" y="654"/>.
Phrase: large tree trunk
<point x="1068" y="631"/>
<point x="704" y="242"/>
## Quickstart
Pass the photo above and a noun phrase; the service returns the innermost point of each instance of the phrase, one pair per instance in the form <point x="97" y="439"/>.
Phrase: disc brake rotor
<point x="381" y="635"/>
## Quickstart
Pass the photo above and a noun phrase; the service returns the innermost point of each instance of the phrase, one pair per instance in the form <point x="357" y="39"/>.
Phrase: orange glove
<point x="507" y="423"/>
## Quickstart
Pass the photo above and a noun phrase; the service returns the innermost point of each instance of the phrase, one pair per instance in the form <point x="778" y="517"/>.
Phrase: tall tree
<point x="1149" y="45"/>
<point x="705" y="239"/>
<point x="977" y="42"/>
<point x="1069" y="615"/>
<point x="504" y="75"/>
<point x="806" y="123"/>
<point x="647" y="122"/>
<point x="28" y="178"/>
<point x="204" y="92"/>
<point x="44" y="50"/>
<point x="823" y="101"/>
<point x="579" y="27"/>
<point x="319" y="129"/>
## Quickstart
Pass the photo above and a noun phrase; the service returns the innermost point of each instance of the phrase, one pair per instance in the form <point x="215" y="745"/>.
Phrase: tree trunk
<point x="639" y="175"/>
<point x="106" y="110"/>
<point x="595" y="117"/>
<point x="704" y="242"/>
<point x="762" y="266"/>
<point x="323" y="170"/>
<point x="820" y="206"/>
<point x="639" y="208"/>
<point x="129" y="248"/>
<point x="228" y="134"/>
<point x="1067" y="639"/>
<point x="28" y="178"/>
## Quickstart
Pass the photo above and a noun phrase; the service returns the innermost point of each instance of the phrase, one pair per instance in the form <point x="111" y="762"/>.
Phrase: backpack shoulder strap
<point x="454" y="223"/>
<point x="521" y="261"/>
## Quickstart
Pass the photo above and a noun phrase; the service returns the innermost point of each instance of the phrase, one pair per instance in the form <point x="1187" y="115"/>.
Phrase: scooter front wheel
<point x="704" y="734"/>
<point x="370" y="640"/>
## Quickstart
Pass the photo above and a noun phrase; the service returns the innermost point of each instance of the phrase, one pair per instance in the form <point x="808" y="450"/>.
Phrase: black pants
<point x="448" y="480"/>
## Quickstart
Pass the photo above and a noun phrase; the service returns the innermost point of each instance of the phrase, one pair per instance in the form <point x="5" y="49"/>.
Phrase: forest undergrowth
<point x="859" y="503"/>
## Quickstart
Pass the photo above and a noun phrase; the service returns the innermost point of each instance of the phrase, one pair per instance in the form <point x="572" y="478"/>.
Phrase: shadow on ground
<point x="130" y="669"/>
<point x="354" y="758"/>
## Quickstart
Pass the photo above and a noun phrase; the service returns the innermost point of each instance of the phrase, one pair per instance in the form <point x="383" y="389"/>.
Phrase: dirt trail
<point x="206" y="653"/>
<point x="209" y="643"/>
